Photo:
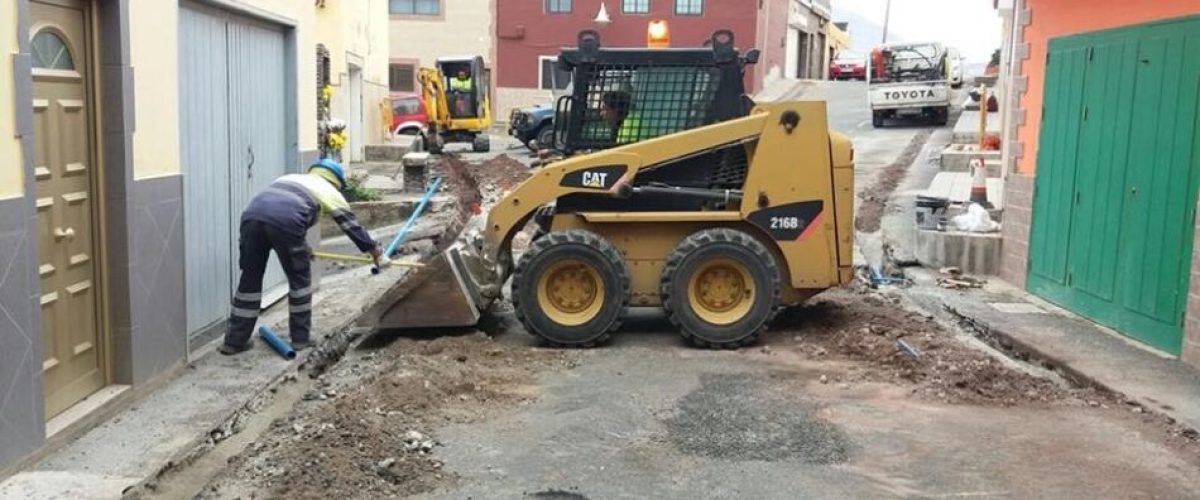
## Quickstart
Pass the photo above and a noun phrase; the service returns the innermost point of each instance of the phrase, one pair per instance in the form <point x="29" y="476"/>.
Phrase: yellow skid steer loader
<point x="717" y="210"/>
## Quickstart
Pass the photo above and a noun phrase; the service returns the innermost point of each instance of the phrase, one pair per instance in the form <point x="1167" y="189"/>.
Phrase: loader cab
<point x="621" y="96"/>
<point x="466" y="80"/>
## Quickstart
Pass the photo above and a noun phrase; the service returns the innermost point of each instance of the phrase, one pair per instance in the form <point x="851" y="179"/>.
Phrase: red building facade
<point x="529" y="30"/>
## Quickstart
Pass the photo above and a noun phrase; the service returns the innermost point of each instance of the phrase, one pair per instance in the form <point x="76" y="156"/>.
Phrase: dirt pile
<point x="498" y="176"/>
<point x="875" y="198"/>
<point x="459" y="182"/>
<point x="479" y="186"/>
<point x="366" y="430"/>
<point x="504" y="172"/>
<point x="906" y="347"/>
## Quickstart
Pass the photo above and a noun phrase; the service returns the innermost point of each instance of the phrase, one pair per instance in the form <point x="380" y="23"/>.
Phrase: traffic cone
<point x="979" y="183"/>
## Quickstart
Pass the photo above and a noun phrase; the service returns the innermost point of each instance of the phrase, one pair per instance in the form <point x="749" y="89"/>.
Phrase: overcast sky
<point x="971" y="25"/>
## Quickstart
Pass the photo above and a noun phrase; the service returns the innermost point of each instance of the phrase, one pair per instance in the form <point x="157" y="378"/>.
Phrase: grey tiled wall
<point x="22" y="425"/>
<point x="156" y="276"/>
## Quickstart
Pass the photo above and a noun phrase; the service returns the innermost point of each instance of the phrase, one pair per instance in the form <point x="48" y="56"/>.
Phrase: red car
<point x="409" y="116"/>
<point x="848" y="65"/>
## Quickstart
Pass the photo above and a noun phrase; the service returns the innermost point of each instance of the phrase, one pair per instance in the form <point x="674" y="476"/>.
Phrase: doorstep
<point x="1076" y="346"/>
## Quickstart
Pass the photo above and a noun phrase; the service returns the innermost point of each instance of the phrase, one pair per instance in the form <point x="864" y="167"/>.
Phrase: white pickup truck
<point x="908" y="80"/>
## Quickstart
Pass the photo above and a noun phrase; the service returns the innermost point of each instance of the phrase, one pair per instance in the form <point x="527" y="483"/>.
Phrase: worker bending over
<point x="278" y="219"/>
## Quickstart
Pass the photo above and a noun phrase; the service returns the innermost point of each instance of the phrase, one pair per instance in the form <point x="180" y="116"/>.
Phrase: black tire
<point x="435" y="144"/>
<point x="481" y="143"/>
<point x="553" y="249"/>
<point x="877" y="119"/>
<point x="545" y="137"/>
<point x="700" y="248"/>
<point x="943" y="116"/>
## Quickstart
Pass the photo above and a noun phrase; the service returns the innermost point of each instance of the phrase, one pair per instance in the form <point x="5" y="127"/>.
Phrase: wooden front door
<point x="64" y="170"/>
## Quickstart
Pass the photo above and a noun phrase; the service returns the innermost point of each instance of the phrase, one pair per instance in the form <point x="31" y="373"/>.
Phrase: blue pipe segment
<point x="283" y="348"/>
<point x="391" y="248"/>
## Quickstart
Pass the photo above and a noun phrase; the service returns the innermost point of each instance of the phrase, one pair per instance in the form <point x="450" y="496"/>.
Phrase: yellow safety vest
<point x="460" y="85"/>
<point x="631" y="129"/>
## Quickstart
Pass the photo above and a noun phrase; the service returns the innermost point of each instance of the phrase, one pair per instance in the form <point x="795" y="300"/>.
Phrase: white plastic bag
<point x="976" y="220"/>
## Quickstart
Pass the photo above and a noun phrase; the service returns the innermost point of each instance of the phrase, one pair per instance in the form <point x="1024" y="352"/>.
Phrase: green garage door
<point x="1118" y="167"/>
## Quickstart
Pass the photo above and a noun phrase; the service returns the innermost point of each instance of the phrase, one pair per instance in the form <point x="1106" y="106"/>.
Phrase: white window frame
<point x="625" y="4"/>
<point x="415" y="69"/>
<point x="440" y="6"/>
<point x="697" y="4"/>
<point x="542" y="71"/>
<point x="570" y="6"/>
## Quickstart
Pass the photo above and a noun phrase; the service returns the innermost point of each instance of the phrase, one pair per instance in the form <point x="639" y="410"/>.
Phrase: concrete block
<point x="416" y="171"/>
<point x="957" y="158"/>
<point x="956" y="187"/>
<point x="966" y="129"/>
<point x="375" y="214"/>
<point x="382" y="184"/>
<point x="989" y="80"/>
<point x="974" y="253"/>
<point x="392" y="151"/>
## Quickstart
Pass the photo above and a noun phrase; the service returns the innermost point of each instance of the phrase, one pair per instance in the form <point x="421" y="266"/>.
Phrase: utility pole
<point x="887" y="14"/>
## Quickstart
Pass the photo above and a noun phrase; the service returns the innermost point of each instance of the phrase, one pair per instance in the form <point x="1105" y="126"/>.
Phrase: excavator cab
<point x="458" y="93"/>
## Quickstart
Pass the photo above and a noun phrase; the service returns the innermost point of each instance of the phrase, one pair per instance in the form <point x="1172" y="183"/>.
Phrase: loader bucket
<point x="440" y="294"/>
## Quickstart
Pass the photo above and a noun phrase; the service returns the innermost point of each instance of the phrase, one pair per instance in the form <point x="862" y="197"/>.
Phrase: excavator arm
<point x="433" y="92"/>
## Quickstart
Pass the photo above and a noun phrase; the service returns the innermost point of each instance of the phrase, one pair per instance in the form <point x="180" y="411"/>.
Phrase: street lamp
<point x="602" y="18"/>
<point x="887" y="13"/>
<point x="658" y="35"/>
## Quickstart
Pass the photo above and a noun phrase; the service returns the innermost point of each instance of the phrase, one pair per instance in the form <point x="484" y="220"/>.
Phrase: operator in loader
<point x="616" y="110"/>
<point x="278" y="219"/>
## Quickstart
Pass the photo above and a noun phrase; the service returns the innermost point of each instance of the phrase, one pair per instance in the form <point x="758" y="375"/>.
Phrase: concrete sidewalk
<point x="201" y="407"/>
<point x="1074" y="346"/>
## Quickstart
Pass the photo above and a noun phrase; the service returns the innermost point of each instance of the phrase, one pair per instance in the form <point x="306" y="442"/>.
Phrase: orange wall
<point x="1054" y="18"/>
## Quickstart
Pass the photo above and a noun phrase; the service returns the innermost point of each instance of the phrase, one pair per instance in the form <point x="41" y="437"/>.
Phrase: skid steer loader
<point x="717" y="210"/>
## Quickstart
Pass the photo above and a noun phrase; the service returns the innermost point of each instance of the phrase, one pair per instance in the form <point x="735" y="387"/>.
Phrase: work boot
<point x="300" y="345"/>
<point x="230" y="350"/>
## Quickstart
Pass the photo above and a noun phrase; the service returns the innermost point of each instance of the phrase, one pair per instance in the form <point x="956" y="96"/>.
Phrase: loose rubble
<point x="909" y="348"/>
<point x="375" y="439"/>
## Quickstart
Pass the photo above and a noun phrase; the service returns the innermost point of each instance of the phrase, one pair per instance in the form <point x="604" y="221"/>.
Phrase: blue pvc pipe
<point x="283" y="348"/>
<point x="391" y="248"/>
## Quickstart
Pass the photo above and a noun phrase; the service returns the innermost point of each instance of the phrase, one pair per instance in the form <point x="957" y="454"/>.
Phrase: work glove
<point x="381" y="260"/>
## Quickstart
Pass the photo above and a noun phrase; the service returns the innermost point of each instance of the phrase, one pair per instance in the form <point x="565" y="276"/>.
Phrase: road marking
<point x="863" y="124"/>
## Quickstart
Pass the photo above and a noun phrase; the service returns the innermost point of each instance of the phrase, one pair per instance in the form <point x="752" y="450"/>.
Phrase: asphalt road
<point x="647" y="417"/>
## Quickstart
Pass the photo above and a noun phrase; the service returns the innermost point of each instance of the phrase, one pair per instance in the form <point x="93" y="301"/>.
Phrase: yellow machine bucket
<point x="437" y="295"/>
<point x="441" y="294"/>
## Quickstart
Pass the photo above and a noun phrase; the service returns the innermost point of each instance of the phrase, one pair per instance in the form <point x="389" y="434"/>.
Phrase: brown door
<point x="65" y="176"/>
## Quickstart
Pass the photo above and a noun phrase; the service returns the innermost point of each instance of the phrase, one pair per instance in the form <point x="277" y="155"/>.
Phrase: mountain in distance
<point x="864" y="34"/>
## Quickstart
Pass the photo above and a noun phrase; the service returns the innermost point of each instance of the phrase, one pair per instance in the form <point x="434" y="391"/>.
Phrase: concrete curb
<point x="1025" y="351"/>
<point x="996" y="335"/>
